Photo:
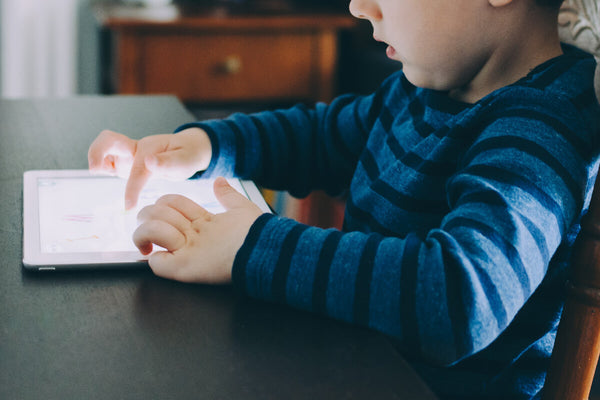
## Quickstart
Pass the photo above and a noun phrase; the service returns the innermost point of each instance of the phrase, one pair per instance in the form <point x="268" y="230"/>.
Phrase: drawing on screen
<point x="88" y="215"/>
<point x="91" y="237"/>
<point x="87" y="218"/>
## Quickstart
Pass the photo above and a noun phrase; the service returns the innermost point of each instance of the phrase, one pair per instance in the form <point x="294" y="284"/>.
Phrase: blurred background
<point x="63" y="47"/>
<point x="216" y="56"/>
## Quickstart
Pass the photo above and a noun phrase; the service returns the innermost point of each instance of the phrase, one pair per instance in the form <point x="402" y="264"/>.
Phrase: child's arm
<point x="299" y="150"/>
<point x="168" y="156"/>
<point x="445" y="293"/>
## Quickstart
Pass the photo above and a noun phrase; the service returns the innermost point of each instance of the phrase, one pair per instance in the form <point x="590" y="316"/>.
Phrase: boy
<point x="466" y="174"/>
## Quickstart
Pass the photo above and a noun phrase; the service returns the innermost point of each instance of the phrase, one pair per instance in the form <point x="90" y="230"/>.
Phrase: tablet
<point x="75" y="220"/>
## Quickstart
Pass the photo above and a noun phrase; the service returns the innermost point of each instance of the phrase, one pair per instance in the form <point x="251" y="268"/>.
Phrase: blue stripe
<point x="503" y="176"/>
<point x="457" y="304"/>
<point x="503" y="245"/>
<point x="582" y="147"/>
<point x="366" y="219"/>
<point x="408" y="296"/>
<point x="407" y="202"/>
<point x="534" y="150"/>
<point x="492" y="198"/>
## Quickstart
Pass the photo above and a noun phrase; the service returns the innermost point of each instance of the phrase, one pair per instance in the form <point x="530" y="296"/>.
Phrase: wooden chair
<point x="577" y="345"/>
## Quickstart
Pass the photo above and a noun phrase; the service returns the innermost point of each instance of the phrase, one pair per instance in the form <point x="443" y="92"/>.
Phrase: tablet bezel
<point x="35" y="259"/>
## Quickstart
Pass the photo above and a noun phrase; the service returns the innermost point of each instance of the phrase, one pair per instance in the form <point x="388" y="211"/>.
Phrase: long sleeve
<point x="451" y="292"/>
<point x="299" y="150"/>
<point x="459" y="219"/>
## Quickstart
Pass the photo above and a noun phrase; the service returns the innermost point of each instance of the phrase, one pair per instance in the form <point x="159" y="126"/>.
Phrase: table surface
<point x="131" y="335"/>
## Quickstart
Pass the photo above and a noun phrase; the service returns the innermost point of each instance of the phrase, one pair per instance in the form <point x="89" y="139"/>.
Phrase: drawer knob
<point x="232" y="65"/>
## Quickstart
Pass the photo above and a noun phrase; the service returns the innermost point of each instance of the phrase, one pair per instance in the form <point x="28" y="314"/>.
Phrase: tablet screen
<point x="88" y="214"/>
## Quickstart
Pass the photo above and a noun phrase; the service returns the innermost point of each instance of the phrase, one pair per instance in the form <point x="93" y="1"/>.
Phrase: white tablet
<point x="75" y="220"/>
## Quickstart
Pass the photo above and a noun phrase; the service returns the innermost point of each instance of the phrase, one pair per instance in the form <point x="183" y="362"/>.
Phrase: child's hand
<point x="167" y="156"/>
<point x="201" y="246"/>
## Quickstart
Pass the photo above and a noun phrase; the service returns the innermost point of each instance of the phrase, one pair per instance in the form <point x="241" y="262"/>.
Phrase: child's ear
<point x="499" y="3"/>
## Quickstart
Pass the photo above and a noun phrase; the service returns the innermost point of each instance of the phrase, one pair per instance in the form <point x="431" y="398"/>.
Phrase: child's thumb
<point x="227" y="195"/>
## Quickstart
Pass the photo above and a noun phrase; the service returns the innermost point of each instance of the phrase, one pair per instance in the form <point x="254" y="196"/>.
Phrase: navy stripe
<point x="534" y="150"/>
<point x="408" y="88"/>
<point x="267" y="164"/>
<point x="491" y="198"/>
<point x="214" y="141"/>
<point x="358" y="122"/>
<point x="430" y="204"/>
<point x="282" y="267"/>
<point x="308" y="116"/>
<point x="367" y="219"/>
<point x="362" y="289"/>
<point x="240" y="156"/>
<point x="489" y="287"/>
<point x="238" y="273"/>
<point x="505" y="247"/>
<point x="375" y="109"/>
<point x="582" y="147"/>
<point x="552" y="72"/>
<point x="386" y="119"/>
<point x="291" y="156"/>
<point x="457" y="305"/>
<point x="336" y="136"/>
<point x="429" y="167"/>
<point x="395" y="146"/>
<point x="510" y="178"/>
<point x="408" y="296"/>
<point x="417" y="111"/>
<point x="369" y="165"/>
<point x="321" y="280"/>
<point x="538" y="237"/>
<point x="585" y="98"/>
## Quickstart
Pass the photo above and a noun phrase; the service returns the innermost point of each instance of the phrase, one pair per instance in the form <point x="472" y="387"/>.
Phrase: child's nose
<point x="365" y="9"/>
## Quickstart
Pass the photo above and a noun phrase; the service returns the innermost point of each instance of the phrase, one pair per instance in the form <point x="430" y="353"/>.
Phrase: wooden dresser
<point x="273" y="52"/>
<point x="269" y="52"/>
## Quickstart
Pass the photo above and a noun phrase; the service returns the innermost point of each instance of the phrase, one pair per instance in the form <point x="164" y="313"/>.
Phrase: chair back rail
<point x="577" y="347"/>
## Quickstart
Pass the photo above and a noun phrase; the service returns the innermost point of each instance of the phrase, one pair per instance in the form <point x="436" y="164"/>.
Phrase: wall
<point x="0" y="46"/>
<point x="88" y="50"/>
<point x="38" y="48"/>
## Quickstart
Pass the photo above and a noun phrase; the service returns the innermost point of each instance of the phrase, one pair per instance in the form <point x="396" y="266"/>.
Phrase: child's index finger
<point x="137" y="180"/>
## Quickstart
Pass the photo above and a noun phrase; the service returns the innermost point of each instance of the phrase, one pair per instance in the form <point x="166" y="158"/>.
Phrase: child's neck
<point x="513" y="58"/>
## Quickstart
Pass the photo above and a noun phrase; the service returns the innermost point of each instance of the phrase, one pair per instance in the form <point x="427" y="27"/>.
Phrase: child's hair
<point x="549" y="3"/>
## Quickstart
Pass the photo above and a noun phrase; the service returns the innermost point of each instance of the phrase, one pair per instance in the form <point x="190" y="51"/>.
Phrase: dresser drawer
<point x="228" y="67"/>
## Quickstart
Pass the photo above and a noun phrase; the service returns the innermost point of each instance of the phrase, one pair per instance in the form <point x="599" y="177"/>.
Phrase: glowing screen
<point x="88" y="215"/>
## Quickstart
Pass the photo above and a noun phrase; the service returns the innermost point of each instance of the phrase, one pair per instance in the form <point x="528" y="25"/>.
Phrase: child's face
<point x="442" y="44"/>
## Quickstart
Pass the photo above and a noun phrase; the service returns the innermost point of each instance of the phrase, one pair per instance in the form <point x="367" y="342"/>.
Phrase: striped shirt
<point x="459" y="220"/>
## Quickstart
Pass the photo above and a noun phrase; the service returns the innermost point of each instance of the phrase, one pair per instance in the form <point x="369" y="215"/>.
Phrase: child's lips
<point x="390" y="52"/>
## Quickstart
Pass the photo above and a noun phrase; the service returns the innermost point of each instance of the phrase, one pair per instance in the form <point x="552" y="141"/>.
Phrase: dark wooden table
<point x="131" y="335"/>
